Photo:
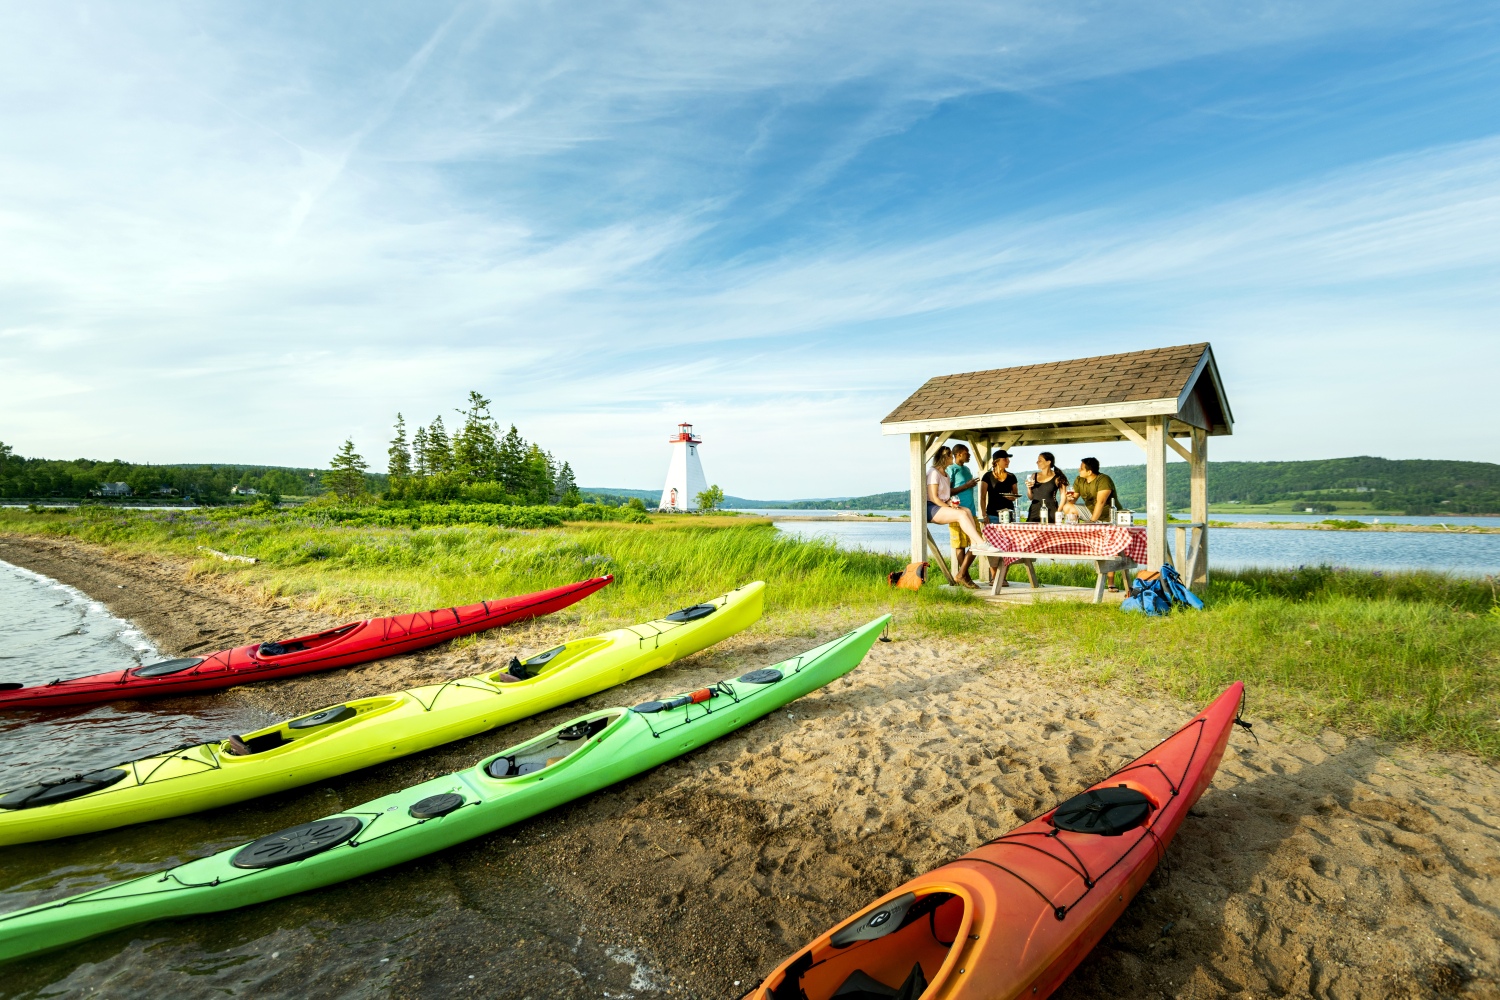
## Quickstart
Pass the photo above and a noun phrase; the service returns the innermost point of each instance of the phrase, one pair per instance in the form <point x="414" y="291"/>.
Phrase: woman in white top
<point x="943" y="509"/>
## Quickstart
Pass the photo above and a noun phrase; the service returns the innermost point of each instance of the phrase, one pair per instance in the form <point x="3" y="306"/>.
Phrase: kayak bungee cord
<point x="341" y="738"/>
<point x="582" y="756"/>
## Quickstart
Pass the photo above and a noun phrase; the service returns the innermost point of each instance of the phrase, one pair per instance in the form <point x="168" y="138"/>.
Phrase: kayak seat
<point x="862" y="986"/>
<point x="525" y="669"/>
<point x="241" y="747"/>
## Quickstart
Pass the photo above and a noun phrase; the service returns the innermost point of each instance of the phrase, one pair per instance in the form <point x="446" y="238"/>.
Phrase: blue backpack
<point x="1160" y="596"/>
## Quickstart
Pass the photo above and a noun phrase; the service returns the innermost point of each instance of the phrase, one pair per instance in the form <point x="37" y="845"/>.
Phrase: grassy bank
<point x="1406" y="656"/>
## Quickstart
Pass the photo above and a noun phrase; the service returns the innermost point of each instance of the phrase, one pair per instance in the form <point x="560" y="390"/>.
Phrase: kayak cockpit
<point x="549" y="750"/>
<point x="302" y="644"/>
<point x="893" y="951"/>
<point x="319" y="723"/>
<point x="545" y="663"/>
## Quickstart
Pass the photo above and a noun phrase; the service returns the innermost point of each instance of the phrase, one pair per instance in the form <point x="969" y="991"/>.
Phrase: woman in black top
<point x="1046" y="488"/>
<point x="999" y="489"/>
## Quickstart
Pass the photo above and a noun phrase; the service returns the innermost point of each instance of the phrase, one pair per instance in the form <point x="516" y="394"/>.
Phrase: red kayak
<point x="357" y="642"/>
<point x="1014" y="917"/>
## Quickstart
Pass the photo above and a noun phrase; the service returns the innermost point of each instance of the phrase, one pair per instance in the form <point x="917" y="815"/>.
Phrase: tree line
<point x="477" y="463"/>
<point x="77" y="479"/>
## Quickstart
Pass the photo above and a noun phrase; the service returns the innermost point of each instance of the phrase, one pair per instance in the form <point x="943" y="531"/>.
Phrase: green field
<point x="1405" y="656"/>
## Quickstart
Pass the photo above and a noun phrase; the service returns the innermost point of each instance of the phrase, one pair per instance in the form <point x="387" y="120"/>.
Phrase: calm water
<point x="51" y="630"/>
<point x="1239" y="548"/>
<point x="1472" y="522"/>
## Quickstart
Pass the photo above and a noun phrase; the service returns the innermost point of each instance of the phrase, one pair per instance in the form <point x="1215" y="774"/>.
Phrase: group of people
<point x="956" y="498"/>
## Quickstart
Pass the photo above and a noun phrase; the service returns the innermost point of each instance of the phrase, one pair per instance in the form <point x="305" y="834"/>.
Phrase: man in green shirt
<point x="1092" y="498"/>
<point x="1093" y="495"/>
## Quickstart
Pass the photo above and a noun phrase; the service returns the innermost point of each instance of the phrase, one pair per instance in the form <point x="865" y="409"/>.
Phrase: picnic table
<point x="1110" y="547"/>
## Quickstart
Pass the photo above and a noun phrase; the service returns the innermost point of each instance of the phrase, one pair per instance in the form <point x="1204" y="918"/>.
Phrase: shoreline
<point x="773" y="833"/>
<point x="1465" y="529"/>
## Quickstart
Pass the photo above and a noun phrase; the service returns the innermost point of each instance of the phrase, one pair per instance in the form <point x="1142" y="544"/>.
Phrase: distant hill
<point x="1412" y="486"/>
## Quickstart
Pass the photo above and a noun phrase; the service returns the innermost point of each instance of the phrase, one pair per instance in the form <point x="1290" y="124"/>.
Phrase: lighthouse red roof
<point x="685" y="433"/>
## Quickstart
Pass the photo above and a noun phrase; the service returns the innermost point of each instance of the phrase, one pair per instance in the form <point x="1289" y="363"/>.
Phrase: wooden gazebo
<point x="1152" y="398"/>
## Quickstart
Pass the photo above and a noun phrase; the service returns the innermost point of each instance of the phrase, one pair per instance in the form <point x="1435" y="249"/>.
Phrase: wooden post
<point x="1198" y="471"/>
<point x="1156" y="492"/>
<point x="918" y="498"/>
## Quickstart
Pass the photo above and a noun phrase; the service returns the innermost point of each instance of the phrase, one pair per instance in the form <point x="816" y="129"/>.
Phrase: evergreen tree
<point x="537" y="476"/>
<point x="419" y="451"/>
<point x="346" y="473"/>
<point x="510" y="467"/>
<point x="398" y="462"/>
<point x="439" y="450"/>
<point x="475" y="448"/>
<point x="565" y="488"/>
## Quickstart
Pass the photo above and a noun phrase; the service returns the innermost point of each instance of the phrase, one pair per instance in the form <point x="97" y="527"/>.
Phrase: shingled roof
<point x="1182" y="381"/>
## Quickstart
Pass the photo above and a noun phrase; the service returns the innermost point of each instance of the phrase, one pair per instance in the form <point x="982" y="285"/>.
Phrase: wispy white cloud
<point x="227" y="236"/>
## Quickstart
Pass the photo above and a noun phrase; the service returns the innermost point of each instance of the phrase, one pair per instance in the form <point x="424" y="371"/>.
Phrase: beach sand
<point x="1322" y="864"/>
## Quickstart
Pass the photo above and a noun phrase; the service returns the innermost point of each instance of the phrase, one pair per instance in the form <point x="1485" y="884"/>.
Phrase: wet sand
<point x="1316" y="865"/>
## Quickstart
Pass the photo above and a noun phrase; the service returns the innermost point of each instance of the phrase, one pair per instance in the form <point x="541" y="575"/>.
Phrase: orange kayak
<point x="1014" y="917"/>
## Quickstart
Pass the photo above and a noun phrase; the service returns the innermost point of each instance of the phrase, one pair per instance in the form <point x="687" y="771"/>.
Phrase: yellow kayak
<point x="359" y="733"/>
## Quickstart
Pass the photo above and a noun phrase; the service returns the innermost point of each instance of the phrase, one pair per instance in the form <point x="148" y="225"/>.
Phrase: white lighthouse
<point x="685" y="475"/>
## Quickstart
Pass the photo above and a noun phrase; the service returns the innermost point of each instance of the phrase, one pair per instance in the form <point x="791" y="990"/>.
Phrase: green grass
<point x="1409" y="656"/>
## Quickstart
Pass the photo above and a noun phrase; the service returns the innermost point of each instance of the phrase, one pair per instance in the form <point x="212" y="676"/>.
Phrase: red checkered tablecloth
<point x="1101" y="540"/>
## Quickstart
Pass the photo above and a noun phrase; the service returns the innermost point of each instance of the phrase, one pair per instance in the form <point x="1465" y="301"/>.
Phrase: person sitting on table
<point x="943" y="509"/>
<point x="1045" y="488"/>
<point x="962" y="486"/>
<point x="1092" y="499"/>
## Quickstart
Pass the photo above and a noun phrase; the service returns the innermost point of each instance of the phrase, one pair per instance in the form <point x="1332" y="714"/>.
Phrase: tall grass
<point x="1409" y="656"/>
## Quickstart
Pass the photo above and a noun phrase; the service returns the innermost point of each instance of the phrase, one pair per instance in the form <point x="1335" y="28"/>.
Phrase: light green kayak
<point x="583" y="756"/>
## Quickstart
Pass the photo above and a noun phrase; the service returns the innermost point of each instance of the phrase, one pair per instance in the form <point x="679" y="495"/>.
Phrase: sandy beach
<point x="1319" y="865"/>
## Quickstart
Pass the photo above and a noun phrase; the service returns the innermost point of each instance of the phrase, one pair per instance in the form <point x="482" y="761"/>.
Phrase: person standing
<point x="998" y="488"/>
<point x="962" y="486"/>
<point x="1045" y="488"/>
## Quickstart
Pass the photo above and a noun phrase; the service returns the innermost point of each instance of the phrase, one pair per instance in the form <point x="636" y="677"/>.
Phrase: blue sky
<point x="242" y="232"/>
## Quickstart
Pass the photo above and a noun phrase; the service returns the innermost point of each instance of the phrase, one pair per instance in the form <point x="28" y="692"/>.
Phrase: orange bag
<point x="911" y="578"/>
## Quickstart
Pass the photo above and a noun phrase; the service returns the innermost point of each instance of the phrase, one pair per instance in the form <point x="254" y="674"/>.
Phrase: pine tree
<point x="439" y="450"/>
<point x="346" y="473"/>
<point x="565" y="488"/>
<point x="475" y="450"/>
<point x="510" y="467"/>
<point x="537" y="476"/>
<point x="419" y="451"/>
<point x="398" y="463"/>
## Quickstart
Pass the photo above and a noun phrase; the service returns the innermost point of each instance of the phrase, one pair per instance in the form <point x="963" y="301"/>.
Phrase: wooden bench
<point x="1102" y="566"/>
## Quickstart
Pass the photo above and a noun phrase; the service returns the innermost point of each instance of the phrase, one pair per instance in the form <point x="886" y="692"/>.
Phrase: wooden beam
<point x="1127" y="432"/>
<point x="937" y="556"/>
<point x="938" y="440"/>
<point x="1198" y="473"/>
<point x="1156" y="492"/>
<point x="1182" y="452"/>
<point x="918" y="497"/>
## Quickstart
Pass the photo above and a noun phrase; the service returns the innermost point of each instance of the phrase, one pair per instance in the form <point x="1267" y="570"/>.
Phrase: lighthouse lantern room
<point x="685" y="475"/>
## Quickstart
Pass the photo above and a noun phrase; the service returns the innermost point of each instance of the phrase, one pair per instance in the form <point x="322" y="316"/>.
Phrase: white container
<point x="1125" y="517"/>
